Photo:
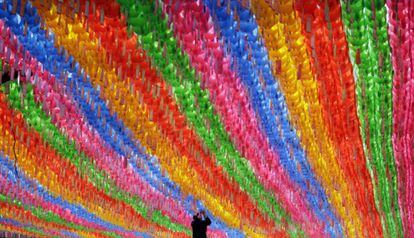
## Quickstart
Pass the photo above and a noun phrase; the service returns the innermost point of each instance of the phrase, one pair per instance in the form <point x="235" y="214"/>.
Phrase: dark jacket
<point x="200" y="227"/>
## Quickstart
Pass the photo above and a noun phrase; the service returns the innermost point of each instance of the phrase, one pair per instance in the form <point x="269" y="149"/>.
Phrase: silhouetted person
<point x="5" y="77"/>
<point x="199" y="225"/>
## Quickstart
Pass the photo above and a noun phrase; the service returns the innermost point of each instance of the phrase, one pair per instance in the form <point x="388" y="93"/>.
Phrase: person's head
<point x="199" y="215"/>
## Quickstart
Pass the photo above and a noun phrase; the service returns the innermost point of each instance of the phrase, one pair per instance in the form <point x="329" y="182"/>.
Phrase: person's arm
<point x="207" y="221"/>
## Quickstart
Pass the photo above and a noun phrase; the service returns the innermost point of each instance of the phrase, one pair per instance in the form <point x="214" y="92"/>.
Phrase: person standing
<point x="199" y="225"/>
